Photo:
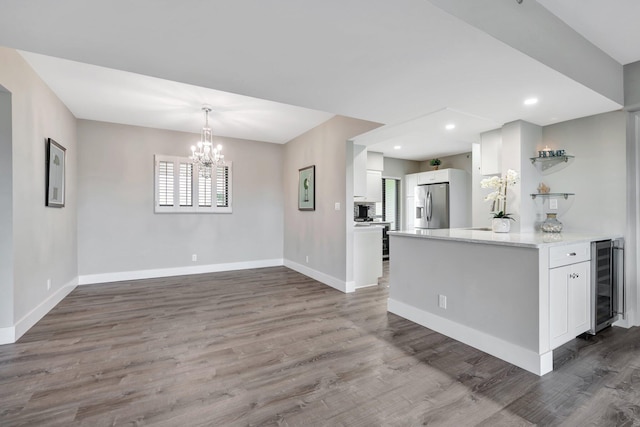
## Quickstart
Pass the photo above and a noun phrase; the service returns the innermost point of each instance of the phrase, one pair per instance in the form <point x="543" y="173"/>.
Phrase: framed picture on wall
<point x="55" y="174"/>
<point x="307" y="188"/>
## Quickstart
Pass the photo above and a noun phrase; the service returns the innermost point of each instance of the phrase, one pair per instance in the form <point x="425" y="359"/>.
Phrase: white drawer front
<point x="569" y="254"/>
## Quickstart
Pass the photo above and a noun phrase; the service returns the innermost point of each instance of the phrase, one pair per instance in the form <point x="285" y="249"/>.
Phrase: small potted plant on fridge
<point x="435" y="163"/>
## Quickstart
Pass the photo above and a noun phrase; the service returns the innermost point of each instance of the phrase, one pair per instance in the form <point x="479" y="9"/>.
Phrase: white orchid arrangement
<point x="499" y="196"/>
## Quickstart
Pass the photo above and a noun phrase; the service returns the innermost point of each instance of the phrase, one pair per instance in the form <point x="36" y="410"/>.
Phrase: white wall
<point x="597" y="176"/>
<point x="632" y="86"/>
<point x="6" y="212"/>
<point x="461" y="161"/>
<point x="321" y="234"/>
<point x="118" y="230"/>
<point x="44" y="239"/>
<point x="398" y="168"/>
<point x="520" y="142"/>
<point x="632" y="254"/>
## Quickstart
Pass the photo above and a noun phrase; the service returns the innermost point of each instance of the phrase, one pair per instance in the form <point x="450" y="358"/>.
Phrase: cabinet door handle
<point x="574" y="275"/>
<point x="571" y="254"/>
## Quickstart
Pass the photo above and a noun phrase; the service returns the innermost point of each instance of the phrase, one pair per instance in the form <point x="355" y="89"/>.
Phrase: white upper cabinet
<point x="367" y="182"/>
<point x="359" y="170"/>
<point x="410" y="182"/>
<point x="374" y="186"/>
<point x="491" y="152"/>
<point x="433" y="177"/>
<point x="375" y="161"/>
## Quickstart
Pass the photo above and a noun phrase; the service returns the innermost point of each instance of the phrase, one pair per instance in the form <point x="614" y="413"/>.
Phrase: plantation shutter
<point x="186" y="184"/>
<point x="165" y="183"/>
<point x="204" y="190"/>
<point x="222" y="186"/>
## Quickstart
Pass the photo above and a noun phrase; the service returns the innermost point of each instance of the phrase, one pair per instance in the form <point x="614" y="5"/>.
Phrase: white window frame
<point x="195" y="208"/>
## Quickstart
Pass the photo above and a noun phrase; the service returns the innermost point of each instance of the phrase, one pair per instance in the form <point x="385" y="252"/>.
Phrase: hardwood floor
<point x="273" y="347"/>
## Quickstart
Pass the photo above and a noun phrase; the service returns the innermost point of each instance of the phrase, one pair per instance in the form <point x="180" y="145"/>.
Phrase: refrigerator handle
<point x="429" y="206"/>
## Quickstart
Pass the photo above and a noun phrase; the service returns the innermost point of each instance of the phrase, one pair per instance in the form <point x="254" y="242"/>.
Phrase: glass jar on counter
<point x="551" y="224"/>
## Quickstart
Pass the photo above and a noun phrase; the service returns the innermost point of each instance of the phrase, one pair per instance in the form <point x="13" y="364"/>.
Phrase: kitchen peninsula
<point x="492" y="290"/>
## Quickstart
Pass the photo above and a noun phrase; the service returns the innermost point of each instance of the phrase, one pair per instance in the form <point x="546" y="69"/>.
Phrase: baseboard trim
<point x="90" y="279"/>
<point x="7" y="335"/>
<point x="529" y="360"/>
<point x="365" y="286"/>
<point x="320" y="276"/>
<point x="12" y="334"/>
<point x="351" y="286"/>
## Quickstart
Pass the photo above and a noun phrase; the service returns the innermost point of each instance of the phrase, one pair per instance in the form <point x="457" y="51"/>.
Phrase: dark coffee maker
<point x="363" y="212"/>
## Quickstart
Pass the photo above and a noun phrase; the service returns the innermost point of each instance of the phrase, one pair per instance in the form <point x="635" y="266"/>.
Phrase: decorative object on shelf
<point x="56" y="165"/>
<point x="551" y="224"/>
<point x="307" y="188"/>
<point x="498" y="198"/>
<point x="543" y="188"/>
<point x="205" y="155"/>
<point x="548" y="152"/>
<point x="435" y="163"/>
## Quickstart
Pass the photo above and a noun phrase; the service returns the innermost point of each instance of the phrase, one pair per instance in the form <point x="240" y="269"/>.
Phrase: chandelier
<point x="204" y="154"/>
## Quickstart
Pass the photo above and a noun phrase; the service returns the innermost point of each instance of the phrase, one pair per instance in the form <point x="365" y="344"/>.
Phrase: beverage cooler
<point x="607" y="283"/>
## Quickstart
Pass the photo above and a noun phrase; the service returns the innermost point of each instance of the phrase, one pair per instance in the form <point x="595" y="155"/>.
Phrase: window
<point x="178" y="181"/>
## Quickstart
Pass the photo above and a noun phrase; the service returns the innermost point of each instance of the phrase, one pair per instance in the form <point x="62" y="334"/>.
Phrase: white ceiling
<point x="97" y="93"/>
<point x="612" y="25"/>
<point x="387" y="62"/>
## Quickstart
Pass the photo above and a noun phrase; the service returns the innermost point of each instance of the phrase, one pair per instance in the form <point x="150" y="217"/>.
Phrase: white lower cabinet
<point x="569" y="302"/>
<point x="367" y="255"/>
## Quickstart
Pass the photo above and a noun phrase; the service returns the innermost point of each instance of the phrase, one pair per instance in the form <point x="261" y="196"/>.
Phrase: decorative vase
<point x="551" y="224"/>
<point x="500" y="225"/>
<point x="435" y="168"/>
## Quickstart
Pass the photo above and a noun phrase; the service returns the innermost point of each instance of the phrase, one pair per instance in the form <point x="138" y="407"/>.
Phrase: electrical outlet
<point x="194" y="257"/>
<point x="48" y="284"/>
<point x="553" y="203"/>
<point x="307" y="259"/>
<point x="442" y="301"/>
<point x="337" y="206"/>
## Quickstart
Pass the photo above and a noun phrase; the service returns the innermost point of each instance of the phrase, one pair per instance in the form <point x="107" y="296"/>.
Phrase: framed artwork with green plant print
<point x="307" y="188"/>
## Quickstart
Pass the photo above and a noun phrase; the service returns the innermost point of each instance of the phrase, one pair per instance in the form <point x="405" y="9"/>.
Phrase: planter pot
<point x="500" y="225"/>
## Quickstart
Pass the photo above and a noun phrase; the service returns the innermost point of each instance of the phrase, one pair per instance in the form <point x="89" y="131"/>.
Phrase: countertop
<point x="485" y="236"/>
<point x="363" y="224"/>
<point x="368" y="227"/>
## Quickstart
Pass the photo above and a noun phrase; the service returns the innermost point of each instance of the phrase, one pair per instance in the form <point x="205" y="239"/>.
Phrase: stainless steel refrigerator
<point x="432" y="206"/>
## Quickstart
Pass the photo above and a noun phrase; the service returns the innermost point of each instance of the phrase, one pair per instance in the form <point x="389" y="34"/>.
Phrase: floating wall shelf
<point x="550" y="195"/>
<point x="551" y="164"/>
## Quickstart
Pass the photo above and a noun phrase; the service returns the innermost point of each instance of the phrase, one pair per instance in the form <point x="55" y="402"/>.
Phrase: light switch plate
<point x="337" y="206"/>
<point x="442" y="301"/>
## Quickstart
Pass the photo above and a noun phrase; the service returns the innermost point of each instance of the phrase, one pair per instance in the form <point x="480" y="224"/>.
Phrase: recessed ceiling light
<point x="450" y="126"/>
<point x="530" y="101"/>
<point x="397" y="147"/>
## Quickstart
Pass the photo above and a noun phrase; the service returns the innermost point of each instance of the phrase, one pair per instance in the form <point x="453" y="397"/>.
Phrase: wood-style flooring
<point x="273" y="347"/>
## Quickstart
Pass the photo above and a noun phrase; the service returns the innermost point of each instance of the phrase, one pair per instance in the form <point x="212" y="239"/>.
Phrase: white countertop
<point x="364" y="224"/>
<point x="526" y="240"/>
<point x="369" y="226"/>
